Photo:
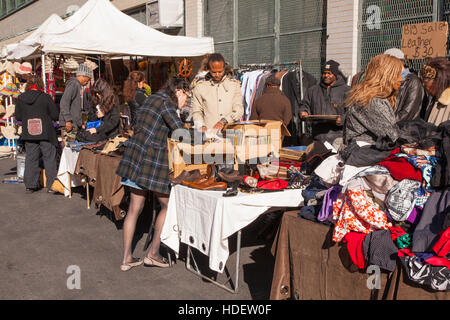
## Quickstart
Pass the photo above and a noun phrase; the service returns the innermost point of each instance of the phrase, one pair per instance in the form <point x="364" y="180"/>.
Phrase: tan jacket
<point x="213" y="101"/>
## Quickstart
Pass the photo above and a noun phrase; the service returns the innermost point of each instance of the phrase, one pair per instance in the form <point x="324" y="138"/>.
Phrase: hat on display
<point x="92" y="65"/>
<point x="25" y="68"/>
<point x="331" y="66"/>
<point x="10" y="89"/>
<point x="16" y="67"/>
<point x="9" y="132"/>
<point x="394" y="52"/>
<point x="10" y="68"/>
<point x="10" y="110"/>
<point x="2" y="67"/>
<point x="84" y="70"/>
<point x="70" y="65"/>
<point x="2" y="109"/>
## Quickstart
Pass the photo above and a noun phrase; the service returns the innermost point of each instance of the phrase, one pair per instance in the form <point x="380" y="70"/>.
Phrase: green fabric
<point x="404" y="241"/>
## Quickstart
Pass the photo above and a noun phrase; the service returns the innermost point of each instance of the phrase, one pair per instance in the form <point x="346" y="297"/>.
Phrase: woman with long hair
<point x="435" y="76"/>
<point x="134" y="93"/>
<point x="145" y="165"/>
<point x="370" y="114"/>
<point x="105" y="107"/>
<point x="37" y="110"/>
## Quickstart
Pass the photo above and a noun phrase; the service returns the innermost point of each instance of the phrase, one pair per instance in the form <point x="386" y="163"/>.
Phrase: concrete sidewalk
<point x="42" y="234"/>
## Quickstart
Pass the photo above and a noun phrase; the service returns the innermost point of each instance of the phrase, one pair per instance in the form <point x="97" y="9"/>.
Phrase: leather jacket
<point x="410" y="98"/>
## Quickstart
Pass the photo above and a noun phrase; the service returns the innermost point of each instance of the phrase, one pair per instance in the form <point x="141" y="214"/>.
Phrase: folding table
<point x="204" y="220"/>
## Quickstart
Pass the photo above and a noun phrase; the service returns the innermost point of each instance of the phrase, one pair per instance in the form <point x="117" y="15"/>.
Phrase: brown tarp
<point x="101" y="171"/>
<point x="87" y="165"/>
<point x="308" y="265"/>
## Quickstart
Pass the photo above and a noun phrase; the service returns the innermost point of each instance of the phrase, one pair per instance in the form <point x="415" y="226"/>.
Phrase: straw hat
<point x="24" y="68"/>
<point x="10" y="68"/>
<point x="10" y="110"/>
<point x="70" y="65"/>
<point x="91" y="64"/>
<point x="2" y="67"/>
<point x="16" y="66"/>
<point x="9" y="132"/>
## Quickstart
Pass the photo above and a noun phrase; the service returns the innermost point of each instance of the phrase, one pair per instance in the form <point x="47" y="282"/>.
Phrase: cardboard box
<point x="259" y="138"/>
<point x="183" y="156"/>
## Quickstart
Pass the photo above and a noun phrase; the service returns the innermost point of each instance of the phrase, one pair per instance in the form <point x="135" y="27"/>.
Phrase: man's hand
<point x="69" y="126"/>
<point x="303" y="114"/>
<point x="92" y="130"/>
<point x="219" y="126"/>
<point x="339" y="121"/>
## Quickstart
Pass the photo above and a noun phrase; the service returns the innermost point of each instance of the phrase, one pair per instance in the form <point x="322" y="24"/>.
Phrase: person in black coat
<point x="107" y="110"/>
<point x="37" y="111"/>
<point x="326" y="98"/>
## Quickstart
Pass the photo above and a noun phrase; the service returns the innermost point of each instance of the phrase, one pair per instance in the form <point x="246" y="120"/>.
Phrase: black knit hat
<point x="332" y="66"/>
<point x="273" y="81"/>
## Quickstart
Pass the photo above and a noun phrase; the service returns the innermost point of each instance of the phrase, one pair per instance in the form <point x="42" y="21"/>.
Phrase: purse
<point x="272" y="184"/>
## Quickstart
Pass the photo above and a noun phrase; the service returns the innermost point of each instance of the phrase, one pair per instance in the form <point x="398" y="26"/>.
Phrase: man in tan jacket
<point x="217" y="100"/>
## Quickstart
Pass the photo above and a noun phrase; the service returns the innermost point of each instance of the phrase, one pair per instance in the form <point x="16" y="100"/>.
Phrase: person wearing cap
<point x="71" y="102"/>
<point x="273" y="104"/>
<point x="411" y="94"/>
<point x="326" y="98"/>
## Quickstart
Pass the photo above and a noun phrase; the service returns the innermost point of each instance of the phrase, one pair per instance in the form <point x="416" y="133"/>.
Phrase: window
<point x="8" y="7"/>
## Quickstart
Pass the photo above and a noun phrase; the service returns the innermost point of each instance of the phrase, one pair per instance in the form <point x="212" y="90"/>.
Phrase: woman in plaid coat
<point x="145" y="165"/>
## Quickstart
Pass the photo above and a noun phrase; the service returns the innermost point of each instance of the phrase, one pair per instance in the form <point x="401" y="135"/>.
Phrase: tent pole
<point x="43" y="72"/>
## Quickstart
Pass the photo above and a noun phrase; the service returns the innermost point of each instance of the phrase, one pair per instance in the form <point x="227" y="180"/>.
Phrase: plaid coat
<point x="146" y="159"/>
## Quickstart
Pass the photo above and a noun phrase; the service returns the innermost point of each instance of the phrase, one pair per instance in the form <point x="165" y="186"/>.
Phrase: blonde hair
<point x="382" y="73"/>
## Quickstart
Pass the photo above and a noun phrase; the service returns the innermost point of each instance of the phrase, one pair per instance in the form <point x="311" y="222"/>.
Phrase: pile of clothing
<point x="389" y="207"/>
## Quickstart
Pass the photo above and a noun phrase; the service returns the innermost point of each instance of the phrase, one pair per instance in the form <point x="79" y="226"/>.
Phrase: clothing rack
<point x="299" y="126"/>
<point x="265" y="66"/>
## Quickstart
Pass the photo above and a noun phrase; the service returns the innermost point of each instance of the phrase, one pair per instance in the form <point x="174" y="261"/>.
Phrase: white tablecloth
<point x="205" y="219"/>
<point x="67" y="166"/>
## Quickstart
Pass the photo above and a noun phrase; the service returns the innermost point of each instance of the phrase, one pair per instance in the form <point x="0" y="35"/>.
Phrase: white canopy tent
<point x="28" y="45"/>
<point x="98" y="27"/>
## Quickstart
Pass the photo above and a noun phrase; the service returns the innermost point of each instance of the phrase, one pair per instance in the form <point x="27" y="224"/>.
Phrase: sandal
<point x="134" y="263"/>
<point x="152" y="262"/>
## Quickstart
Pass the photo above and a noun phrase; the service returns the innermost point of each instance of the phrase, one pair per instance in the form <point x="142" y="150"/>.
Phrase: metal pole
<point x="277" y="31"/>
<point x="235" y="33"/>
<point x="436" y="7"/>
<point x="43" y="72"/>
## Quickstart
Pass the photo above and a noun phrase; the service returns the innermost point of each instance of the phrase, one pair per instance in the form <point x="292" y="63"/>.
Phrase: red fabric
<point x="34" y="87"/>
<point x="405" y="252"/>
<point x="442" y="247"/>
<point x="354" y="241"/>
<point x="400" y="168"/>
<point x="396" y="232"/>
<point x="272" y="184"/>
<point x="439" y="262"/>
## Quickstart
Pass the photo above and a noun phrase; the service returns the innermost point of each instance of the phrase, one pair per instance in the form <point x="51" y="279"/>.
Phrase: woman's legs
<point x="137" y="202"/>
<point x="153" y="251"/>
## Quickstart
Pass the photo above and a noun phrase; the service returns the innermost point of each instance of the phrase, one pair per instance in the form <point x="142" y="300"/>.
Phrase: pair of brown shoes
<point x="207" y="181"/>
<point x="209" y="184"/>
<point x="187" y="176"/>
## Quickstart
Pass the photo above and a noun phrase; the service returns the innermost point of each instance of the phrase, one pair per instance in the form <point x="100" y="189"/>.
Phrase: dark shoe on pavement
<point x="31" y="190"/>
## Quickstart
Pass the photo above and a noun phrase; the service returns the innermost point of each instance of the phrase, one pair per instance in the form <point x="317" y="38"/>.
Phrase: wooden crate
<point x="179" y="151"/>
